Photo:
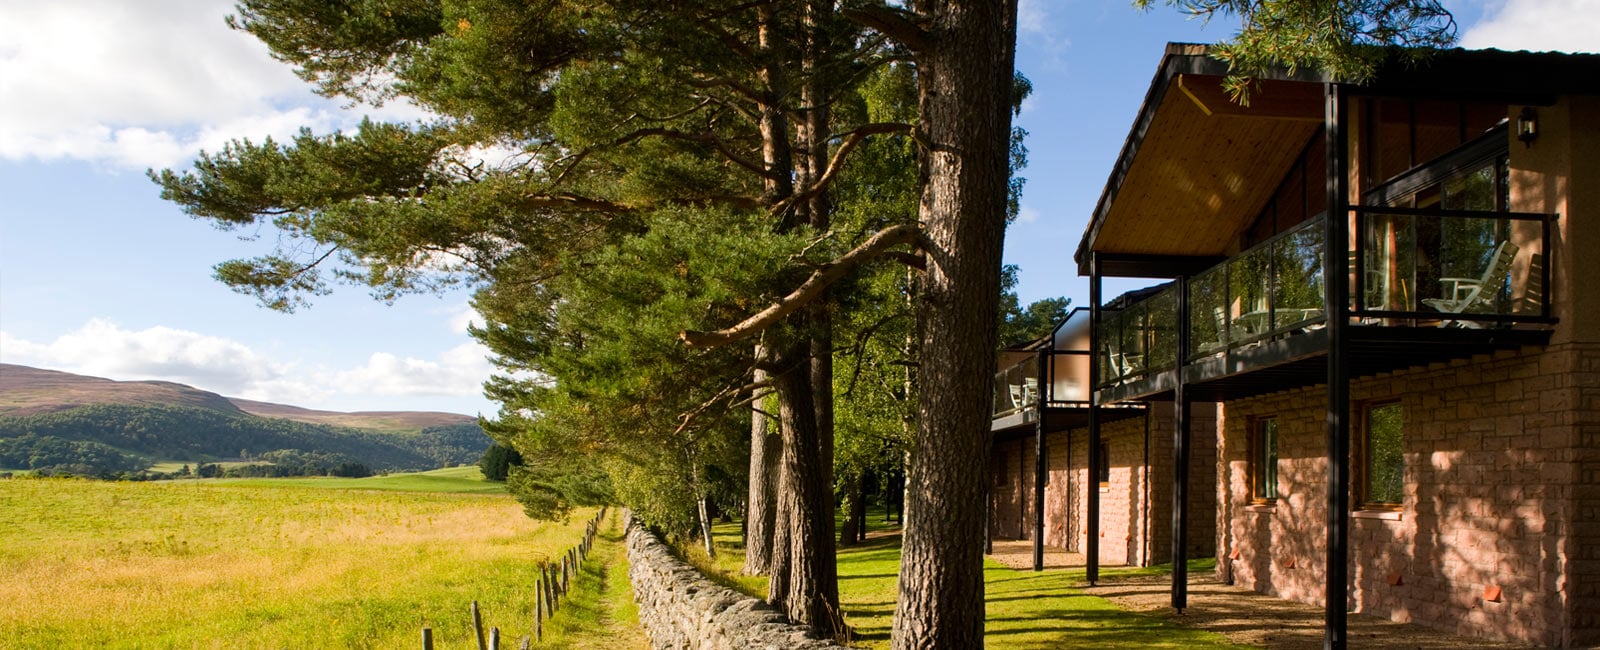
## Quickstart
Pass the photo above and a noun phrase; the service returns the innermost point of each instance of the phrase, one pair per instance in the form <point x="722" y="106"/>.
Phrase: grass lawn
<point x="1025" y="610"/>
<point x="274" y="564"/>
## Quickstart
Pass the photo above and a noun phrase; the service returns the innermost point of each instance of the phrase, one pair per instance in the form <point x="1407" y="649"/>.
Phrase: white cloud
<point x="463" y="315"/>
<point x="136" y="84"/>
<point x="104" y="349"/>
<point x="1027" y="214"/>
<point x="459" y="371"/>
<point x="1031" y="16"/>
<point x="1039" y="31"/>
<point x="1538" y="25"/>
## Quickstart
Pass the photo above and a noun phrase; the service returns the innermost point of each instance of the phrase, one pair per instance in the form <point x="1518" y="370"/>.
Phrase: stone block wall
<point x="1488" y="541"/>
<point x="682" y="610"/>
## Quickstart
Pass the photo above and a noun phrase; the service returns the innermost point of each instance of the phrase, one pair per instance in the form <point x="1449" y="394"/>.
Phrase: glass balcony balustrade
<point x="1408" y="268"/>
<point x="1273" y="287"/>
<point x="1016" y="389"/>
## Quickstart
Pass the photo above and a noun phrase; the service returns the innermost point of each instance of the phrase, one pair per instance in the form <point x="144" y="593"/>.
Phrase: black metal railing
<point x="1460" y="268"/>
<point x="1408" y="267"/>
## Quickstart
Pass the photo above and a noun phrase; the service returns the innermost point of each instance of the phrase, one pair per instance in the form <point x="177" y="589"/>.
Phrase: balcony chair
<point x="1125" y="366"/>
<point x="1475" y="295"/>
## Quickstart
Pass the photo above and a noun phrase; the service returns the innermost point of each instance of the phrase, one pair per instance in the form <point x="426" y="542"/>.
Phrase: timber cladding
<point x="1497" y="530"/>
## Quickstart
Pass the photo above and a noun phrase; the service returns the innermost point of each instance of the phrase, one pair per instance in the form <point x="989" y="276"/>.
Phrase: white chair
<point x="1473" y="295"/>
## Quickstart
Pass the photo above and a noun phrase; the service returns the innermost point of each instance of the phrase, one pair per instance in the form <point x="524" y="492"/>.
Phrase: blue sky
<point x="99" y="276"/>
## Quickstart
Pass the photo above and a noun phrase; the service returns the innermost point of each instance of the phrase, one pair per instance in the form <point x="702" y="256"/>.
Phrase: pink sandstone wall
<point x="1489" y="447"/>
<point x="1135" y="506"/>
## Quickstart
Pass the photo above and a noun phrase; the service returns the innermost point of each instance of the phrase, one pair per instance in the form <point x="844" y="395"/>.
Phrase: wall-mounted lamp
<point x="1527" y="126"/>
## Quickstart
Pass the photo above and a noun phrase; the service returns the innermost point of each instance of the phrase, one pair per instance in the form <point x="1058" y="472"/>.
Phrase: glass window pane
<point x="1264" y="460"/>
<point x="1385" y="466"/>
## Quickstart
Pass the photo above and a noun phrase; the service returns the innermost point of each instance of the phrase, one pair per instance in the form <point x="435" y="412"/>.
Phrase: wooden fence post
<point x="427" y="638"/>
<point x="494" y="638"/>
<point x="477" y="626"/>
<point x="538" y="610"/>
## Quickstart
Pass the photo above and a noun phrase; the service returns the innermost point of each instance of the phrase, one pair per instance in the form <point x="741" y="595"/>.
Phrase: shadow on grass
<point x="1027" y="610"/>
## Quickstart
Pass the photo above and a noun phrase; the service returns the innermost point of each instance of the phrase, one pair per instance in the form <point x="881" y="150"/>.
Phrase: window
<point x="1104" y="458"/>
<point x="1264" y="460"/>
<point x="1383" y="460"/>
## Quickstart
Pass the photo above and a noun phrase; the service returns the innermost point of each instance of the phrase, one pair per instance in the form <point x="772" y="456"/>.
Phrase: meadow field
<point x="267" y="563"/>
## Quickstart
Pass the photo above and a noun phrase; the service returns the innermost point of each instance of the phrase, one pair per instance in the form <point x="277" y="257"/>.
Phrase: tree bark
<point x="966" y="76"/>
<point x="855" y="511"/>
<point x="810" y="585"/>
<point x="765" y="452"/>
<point x="705" y="526"/>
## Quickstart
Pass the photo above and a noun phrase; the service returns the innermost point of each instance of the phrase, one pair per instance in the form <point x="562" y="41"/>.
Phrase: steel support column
<point x="1039" y="451"/>
<point x="1091" y="548"/>
<point x="1336" y="281"/>
<point x="1180" y="460"/>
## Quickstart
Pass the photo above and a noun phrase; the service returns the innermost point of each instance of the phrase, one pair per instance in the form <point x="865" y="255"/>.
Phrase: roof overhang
<point x="1196" y="168"/>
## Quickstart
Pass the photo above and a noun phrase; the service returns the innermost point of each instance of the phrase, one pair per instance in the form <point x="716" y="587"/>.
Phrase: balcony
<point x="1062" y="399"/>
<point x="1425" y="285"/>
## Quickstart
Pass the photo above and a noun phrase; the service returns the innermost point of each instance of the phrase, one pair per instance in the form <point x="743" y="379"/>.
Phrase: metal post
<point x="1180" y="461"/>
<point x="1337" y="286"/>
<point x="1039" y="465"/>
<point x="1091" y="549"/>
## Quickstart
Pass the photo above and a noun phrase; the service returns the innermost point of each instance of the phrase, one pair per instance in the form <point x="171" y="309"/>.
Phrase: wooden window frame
<point x="1252" y="464"/>
<point x="1362" y="467"/>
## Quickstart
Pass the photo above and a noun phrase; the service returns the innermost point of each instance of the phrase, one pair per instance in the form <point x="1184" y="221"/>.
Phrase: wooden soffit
<point x="1204" y="167"/>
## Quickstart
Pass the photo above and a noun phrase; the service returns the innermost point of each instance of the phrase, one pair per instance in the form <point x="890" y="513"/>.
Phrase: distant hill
<point x="376" y="420"/>
<point x="34" y="391"/>
<point x="89" y="425"/>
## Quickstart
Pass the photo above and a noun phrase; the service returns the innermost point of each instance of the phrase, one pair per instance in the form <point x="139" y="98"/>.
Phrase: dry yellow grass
<point x="189" y="564"/>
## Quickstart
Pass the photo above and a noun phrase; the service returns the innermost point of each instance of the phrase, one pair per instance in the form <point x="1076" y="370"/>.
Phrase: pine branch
<point x="827" y="274"/>
<point x="894" y="23"/>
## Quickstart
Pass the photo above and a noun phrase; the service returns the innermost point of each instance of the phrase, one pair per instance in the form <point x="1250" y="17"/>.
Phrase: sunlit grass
<point x="451" y="479"/>
<point x="1024" y="609"/>
<point x="263" y="564"/>
<point x="600" y="612"/>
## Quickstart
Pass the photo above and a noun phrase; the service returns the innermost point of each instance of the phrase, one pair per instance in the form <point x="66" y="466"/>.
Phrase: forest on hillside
<point x="119" y="440"/>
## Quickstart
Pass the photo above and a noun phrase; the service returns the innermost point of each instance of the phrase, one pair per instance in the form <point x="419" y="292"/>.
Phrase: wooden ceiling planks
<point x="1198" y="179"/>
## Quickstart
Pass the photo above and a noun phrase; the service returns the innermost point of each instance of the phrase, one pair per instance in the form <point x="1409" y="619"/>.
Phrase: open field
<point x="265" y="563"/>
<point x="467" y="479"/>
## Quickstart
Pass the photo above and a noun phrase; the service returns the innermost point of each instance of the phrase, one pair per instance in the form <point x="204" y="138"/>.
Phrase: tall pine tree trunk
<point x="808" y="590"/>
<point x="965" y="75"/>
<point x="765" y="453"/>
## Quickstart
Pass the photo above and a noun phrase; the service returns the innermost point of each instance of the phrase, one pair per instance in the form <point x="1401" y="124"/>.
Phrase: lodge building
<point x="1367" y="374"/>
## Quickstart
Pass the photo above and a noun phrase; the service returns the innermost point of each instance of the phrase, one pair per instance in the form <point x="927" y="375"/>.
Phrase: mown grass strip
<point x="600" y="611"/>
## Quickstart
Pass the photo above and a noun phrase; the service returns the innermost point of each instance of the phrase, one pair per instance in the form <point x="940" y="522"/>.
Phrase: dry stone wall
<point x="682" y="610"/>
